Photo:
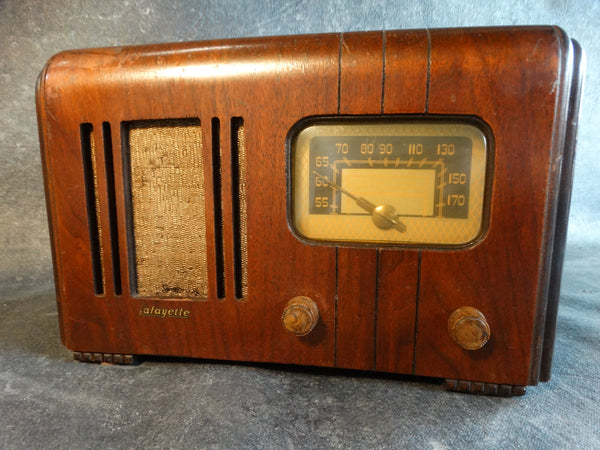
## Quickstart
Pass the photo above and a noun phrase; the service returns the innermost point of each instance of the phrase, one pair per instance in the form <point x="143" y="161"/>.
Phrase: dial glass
<point x="388" y="181"/>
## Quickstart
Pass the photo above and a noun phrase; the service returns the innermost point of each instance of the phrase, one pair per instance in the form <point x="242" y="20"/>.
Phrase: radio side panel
<point x="562" y="210"/>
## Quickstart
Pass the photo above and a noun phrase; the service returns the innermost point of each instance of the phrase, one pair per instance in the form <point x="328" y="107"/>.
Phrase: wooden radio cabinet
<point x="390" y="201"/>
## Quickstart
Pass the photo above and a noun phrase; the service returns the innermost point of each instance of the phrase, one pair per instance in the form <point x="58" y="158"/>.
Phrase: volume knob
<point x="300" y="316"/>
<point x="469" y="328"/>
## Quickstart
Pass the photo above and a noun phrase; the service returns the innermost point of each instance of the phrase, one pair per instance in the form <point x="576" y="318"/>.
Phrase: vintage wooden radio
<point x="385" y="201"/>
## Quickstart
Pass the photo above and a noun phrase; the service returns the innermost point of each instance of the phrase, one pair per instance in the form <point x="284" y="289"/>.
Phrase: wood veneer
<point x="383" y="309"/>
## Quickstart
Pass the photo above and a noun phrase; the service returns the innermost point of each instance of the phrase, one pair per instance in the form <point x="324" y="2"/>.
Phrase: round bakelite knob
<point x="300" y="316"/>
<point x="469" y="328"/>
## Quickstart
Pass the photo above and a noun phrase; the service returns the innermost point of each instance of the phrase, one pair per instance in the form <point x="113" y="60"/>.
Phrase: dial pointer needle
<point x="384" y="216"/>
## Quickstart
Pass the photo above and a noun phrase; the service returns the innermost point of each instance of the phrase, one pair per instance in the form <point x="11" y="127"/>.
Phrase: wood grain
<point x="496" y="73"/>
<point x="405" y="92"/>
<point x="118" y="85"/>
<point x="360" y="93"/>
<point x="379" y="309"/>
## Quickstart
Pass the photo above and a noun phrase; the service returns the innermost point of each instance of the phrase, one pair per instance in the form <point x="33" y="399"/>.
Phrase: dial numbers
<point x="388" y="182"/>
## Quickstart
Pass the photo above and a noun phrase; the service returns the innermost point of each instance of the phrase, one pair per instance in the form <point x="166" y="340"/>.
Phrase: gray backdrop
<point x="45" y="400"/>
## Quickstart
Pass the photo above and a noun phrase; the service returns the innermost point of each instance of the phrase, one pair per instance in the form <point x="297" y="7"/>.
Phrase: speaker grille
<point x="167" y="202"/>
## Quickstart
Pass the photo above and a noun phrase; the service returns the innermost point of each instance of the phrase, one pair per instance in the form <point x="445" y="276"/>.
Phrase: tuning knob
<point x="300" y="316"/>
<point x="469" y="328"/>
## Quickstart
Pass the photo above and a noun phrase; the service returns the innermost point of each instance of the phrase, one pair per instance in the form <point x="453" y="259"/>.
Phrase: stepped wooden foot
<point x="474" y="387"/>
<point x="104" y="358"/>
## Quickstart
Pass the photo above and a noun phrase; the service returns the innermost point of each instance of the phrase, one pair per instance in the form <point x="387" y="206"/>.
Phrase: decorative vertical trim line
<point x="383" y="45"/>
<point x="375" y="309"/>
<point x="428" y="71"/>
<point x="339" y="92"/>
<point x="418" y="293"/>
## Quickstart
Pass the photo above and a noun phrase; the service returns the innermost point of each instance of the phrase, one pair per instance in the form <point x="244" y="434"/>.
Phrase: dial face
<point x="388" y="181"/>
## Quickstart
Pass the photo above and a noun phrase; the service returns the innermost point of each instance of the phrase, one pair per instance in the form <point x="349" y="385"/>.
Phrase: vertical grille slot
<point x="218" y="206"/>
<point x="238" y="197"/>
<point x="90" y="173"/>
<point x="112" y="206"/>
<point x="167" y="226"/>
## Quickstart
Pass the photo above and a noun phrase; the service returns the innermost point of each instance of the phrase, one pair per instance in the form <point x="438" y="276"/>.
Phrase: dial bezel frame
<point x="332" y="120"/>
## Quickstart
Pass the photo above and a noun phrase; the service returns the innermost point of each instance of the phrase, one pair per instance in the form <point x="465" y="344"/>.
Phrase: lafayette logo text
<point x="168" y="313"/>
